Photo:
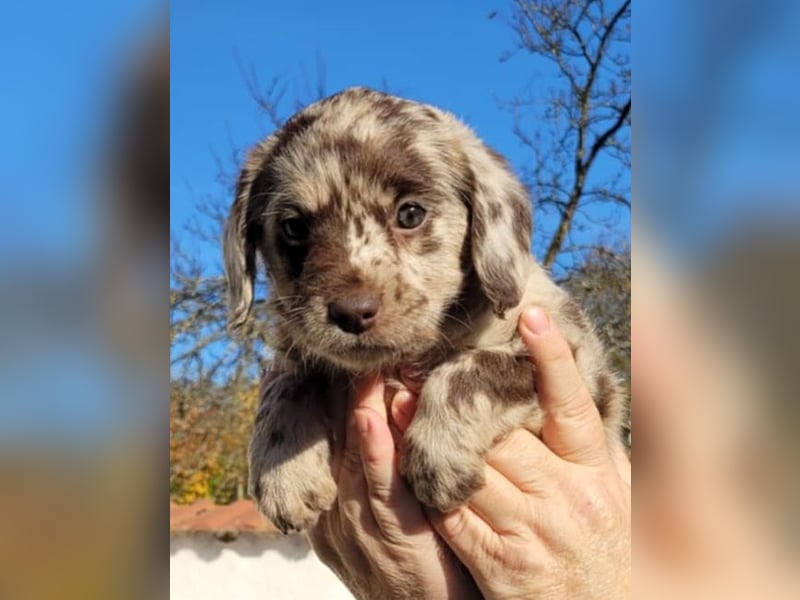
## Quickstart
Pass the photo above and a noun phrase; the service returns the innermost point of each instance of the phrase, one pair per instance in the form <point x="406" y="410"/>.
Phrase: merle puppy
<point x="393" y="239"/>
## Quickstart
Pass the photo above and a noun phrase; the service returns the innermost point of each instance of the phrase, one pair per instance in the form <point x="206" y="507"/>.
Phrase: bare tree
<point x="602" y="283"/>
<point x="201" y="348"/>
<point x="585" y="118"/>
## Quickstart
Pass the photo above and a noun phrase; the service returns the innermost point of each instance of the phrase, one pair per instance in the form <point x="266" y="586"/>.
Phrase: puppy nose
<point x="354" y="314"/>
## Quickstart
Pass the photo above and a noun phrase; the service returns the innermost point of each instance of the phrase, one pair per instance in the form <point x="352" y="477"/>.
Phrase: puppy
<point x="393" y="239"/>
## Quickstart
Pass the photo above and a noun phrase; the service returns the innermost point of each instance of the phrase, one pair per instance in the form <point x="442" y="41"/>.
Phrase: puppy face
<point x="364" y="255"/>
<point x="371" y="213"/>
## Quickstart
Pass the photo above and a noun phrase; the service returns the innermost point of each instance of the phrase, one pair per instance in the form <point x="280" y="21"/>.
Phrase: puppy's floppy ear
<point x="242" y="234"/>
<point x="244" y="229"/>
<point x="500" y="228"/>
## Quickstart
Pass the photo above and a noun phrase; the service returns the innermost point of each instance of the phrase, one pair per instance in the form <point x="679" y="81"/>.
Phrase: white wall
<point x="253" y="566"/>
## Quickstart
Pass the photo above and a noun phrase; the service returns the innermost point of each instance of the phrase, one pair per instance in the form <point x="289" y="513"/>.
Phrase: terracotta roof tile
<point x="231" y="519"/>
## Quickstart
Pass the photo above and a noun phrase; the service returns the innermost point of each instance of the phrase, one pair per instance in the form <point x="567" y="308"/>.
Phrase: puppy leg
<point x="464" y="406"/>
<point x="290" y="472"/>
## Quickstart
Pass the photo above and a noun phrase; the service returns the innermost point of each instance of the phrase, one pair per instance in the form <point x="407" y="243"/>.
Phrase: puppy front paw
<point x="291" y="505"/>
<point x="293" y="493"/>
<point x="442" y="475"/>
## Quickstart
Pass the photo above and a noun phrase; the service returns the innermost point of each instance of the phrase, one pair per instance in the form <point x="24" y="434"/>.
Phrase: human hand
<point x="376" y="537"/>
<point x="553" y="520"/>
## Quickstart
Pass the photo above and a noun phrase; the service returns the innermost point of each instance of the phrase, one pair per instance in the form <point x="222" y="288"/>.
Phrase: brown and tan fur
<point x="449" y="294"/>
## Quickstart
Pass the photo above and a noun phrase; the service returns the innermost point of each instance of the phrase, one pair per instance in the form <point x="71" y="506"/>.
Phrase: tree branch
<point x="603" y="139"/>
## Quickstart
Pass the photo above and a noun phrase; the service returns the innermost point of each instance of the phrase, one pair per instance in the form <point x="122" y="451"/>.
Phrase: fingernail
<point x="402" y="398"/>
<point x="401" y="403"/>
<point x="536" y="321"/>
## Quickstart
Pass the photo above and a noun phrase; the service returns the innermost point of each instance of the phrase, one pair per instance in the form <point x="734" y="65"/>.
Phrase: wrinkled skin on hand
<point x="553" y="520"/>
<point x="377" y="538"/>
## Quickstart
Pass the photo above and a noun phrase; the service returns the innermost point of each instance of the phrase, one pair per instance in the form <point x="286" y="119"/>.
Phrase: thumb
<point x="572" y="428"/>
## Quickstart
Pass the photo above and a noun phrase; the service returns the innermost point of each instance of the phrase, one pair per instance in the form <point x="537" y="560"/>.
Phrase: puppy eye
<point x="294" y="229"/>
<point x="410" y="215"/>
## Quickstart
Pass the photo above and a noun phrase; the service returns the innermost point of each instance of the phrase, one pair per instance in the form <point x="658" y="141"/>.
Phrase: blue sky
<point x="61" y="64"/>
<point x="717" y="127"/>
<point x="446" y="53"/>
<point x="61" y="69"/>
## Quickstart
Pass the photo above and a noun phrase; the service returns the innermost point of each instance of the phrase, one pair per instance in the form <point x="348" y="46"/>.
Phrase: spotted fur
<point x="449" y="294"/>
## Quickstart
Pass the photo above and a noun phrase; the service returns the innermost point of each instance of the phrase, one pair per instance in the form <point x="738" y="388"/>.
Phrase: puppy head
<point x="371" y="212"/>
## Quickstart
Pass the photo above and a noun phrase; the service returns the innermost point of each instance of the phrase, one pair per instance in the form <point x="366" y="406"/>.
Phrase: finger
<point x="395" y="508"/>
<point x="377" y="453"/>
<point x="467" y="534"/>
<point x="572" y="428"/>
<point x="367" y="393"/>
<point x="524" y="460"/>
<point x="356" y="517"/>
<point x="357" y="521"/>
<point x="404" y="405"/>
<point x="369" y="435"/>
<point x="500" y="504"/>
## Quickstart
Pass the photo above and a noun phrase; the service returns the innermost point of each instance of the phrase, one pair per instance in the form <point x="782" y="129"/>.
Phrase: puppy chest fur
<point x="392" y="239"/>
